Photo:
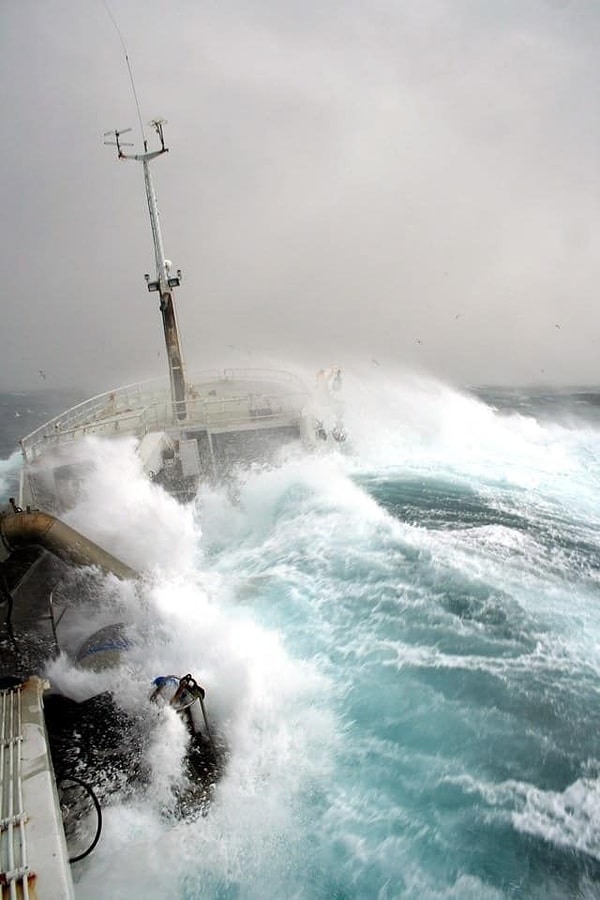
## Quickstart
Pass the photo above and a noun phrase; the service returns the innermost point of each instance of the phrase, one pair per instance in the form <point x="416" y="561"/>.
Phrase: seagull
<point x="43" y="374"/>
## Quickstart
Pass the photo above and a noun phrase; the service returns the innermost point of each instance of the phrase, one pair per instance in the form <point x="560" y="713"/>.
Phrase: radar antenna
<point x="117" y="143"/>
<point x="165" y="280"/>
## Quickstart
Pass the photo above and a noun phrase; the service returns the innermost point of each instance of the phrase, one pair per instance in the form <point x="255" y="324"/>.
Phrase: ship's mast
<point x="165" y="280"/>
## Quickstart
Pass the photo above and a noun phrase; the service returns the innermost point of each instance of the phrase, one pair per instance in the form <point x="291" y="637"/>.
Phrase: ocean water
<point x="400" y="643"/>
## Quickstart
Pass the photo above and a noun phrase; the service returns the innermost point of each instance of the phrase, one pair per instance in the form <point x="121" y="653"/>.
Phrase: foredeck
<point x="233" y="399"/>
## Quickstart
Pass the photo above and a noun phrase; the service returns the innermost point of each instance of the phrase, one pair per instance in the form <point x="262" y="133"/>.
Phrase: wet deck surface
<point x="26" y="633"/>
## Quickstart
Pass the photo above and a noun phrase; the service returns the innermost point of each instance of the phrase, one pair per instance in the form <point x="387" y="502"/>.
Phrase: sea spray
<point x="272" y="711"/>
<point x="9" y="475"/>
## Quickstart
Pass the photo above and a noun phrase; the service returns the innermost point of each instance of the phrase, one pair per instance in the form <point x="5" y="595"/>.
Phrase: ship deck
<point x="231" y="418"/>
<point x="216" y="403"/>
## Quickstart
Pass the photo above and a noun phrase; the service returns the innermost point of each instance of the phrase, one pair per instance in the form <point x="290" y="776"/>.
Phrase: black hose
<point x="88" y="789"/>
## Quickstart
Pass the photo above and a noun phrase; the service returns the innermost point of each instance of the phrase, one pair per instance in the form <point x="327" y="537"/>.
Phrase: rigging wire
<point x="135" y="96"/>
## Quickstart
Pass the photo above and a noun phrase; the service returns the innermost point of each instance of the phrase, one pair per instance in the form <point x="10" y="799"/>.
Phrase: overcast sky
<point x="411" y="181"/>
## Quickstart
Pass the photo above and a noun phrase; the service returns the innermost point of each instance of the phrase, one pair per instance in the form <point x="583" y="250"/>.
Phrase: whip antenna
<point x="135" y="96"/>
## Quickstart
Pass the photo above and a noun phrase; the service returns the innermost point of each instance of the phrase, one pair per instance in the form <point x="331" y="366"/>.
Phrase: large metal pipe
<point x="176" y="375"/>
<point x="23" y="528"/>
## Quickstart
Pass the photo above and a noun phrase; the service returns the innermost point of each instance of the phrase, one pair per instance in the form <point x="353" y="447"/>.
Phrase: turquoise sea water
<point x="399" y="641"/>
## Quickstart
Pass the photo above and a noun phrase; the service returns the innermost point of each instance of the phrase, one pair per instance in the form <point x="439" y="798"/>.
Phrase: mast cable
<point x="135" y="96"/>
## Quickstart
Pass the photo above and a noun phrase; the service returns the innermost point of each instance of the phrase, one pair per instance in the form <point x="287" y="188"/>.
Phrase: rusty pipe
<point x="23" y="528"/>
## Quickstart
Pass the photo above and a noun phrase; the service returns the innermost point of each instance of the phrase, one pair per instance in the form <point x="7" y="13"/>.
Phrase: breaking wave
<point x="399" y="641"/>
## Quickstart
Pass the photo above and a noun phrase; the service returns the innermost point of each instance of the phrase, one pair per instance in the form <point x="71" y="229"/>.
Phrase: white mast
<point x="165" y="281"/>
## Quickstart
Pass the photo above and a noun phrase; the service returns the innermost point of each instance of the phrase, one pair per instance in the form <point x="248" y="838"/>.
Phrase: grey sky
<point x="415" y="181"/>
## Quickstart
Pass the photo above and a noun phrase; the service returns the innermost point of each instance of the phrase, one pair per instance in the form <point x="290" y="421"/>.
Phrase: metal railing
<point x="14" y="868"/>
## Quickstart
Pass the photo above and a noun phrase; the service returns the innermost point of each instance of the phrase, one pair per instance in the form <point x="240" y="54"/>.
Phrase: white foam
<point x="129" y="515"/>
<point x="274" y="711"/>
<point x="570" y="818"/>
<point x="422" y="425"/>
